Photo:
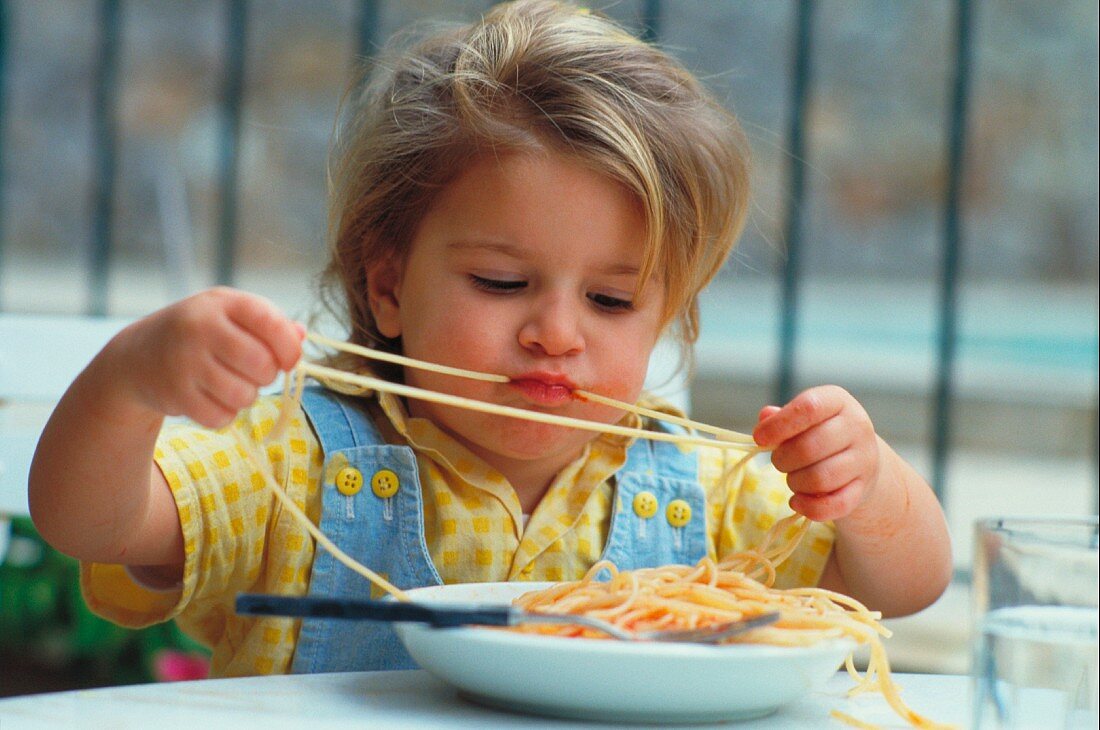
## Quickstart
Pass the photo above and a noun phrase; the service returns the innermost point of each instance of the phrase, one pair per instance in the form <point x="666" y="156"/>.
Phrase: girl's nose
<point x="552" y="328"/>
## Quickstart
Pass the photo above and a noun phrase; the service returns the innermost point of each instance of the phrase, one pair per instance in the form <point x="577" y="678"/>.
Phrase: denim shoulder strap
<point x="338" y="422"/>
<point x="660" y="508"/>
<point x="372" y="509"/>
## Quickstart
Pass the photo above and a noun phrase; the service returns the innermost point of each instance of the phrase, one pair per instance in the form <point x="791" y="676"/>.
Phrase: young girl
<point x="538" y="195"/>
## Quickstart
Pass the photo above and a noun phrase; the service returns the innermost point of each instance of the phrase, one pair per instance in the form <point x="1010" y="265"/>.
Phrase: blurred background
<point x="924" y="233"/>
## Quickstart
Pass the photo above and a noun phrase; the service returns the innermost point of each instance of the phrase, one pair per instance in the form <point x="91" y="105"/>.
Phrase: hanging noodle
<point x="668" y="597"/>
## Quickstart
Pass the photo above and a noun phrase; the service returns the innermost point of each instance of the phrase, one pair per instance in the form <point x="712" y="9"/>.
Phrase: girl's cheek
<point x="623" y="388"/>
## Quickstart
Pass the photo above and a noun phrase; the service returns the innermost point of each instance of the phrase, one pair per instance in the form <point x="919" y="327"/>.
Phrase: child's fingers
<point x="264" y="321"/>
<point x="811" y="446"/>
<point x="208" y="413"/>
<point x="206" y="410"/>
<point x="210" y="394"/>
<point x="806" y="409"/>
<point x="229" y="388"/>
<point x="242" y="353"/>
<point x="827" y="475"/>
<point x="766" y="411"/>
<point x="829" y="506"/>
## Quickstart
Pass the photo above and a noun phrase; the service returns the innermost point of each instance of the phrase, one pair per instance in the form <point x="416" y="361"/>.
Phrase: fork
<point x="706" y="635"/>
<point x="451" y="615"/>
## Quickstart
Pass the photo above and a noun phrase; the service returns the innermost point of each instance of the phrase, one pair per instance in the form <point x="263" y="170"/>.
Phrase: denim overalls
<point x="649" y="527"/>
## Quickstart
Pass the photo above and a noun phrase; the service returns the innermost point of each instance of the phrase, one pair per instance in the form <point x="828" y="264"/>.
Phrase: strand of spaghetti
<point x="777" y="527"/>
<point x="408" y="362"/>
<point x="889" y="690"/>
<point x="322" y="539"/>
<point x="322" y="372"/>
<point x="840" y="599"/>
<point x="782" y="552"/>
<point x="723" y="434"/>
<point x="751" y="563"/>
<point x="292" y="396"/>
<point x="748" y="457"/>
<point x="761" y="557"/>
<point x="854" y="722"/>
<point x="729" y="469"/>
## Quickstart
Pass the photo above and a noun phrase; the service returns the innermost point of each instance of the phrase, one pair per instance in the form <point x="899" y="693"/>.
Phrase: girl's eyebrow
<point x="518" y="252"/>
<point x="487" y="245"/>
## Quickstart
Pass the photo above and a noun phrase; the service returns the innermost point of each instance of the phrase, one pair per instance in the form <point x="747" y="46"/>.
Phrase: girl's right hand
<point x="207" y="356"/>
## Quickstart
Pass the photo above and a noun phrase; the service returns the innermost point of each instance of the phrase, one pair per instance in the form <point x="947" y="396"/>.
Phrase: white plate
<point x="612" y="680"/>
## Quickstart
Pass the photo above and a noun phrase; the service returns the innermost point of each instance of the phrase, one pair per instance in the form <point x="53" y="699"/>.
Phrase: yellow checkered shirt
<point x="239" y="539"/>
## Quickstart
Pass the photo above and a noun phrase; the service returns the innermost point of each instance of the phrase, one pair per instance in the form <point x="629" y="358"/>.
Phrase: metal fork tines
<point x="707" y="635"/>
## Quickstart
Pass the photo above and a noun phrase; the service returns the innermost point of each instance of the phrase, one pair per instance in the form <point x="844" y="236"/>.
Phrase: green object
<point x="43" y="616"/>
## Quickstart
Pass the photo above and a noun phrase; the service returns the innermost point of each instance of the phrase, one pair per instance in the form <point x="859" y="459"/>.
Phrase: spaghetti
<point x="711" y="593"/>
<point x="668" y="597"/>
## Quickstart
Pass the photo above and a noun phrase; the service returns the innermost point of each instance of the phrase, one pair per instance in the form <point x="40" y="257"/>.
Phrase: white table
<point x="411" y="699"/>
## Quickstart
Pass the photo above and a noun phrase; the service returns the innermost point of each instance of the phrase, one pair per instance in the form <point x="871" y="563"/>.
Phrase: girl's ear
<point x="384" y="295"/>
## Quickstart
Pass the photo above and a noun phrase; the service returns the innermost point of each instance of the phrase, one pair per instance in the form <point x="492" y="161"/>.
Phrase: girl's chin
<point x="516" y="439"/>
<point x="530" y="444"/>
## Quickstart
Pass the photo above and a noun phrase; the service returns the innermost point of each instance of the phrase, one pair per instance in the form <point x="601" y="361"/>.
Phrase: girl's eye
<point x="497" y="285"/>
<point x="610" y="303"/>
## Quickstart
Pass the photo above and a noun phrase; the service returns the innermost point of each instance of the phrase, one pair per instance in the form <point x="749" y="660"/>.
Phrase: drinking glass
<point x="1034" y="600"/>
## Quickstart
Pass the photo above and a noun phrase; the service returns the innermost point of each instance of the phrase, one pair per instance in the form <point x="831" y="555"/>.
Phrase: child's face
<point x="525" y="266"/>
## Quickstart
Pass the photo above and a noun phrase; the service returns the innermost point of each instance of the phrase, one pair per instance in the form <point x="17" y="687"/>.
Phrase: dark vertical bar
<point x="367" y="40"/>
<point x="105" y="139"/>
<point x="796" y="196"/>
<point x="952" y="245"/>
<point x="230" y="138"/>
<point x="3" y="137"/>
<point x="651" y="21"/>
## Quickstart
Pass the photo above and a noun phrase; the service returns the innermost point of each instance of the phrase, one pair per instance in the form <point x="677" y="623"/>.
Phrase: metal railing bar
<point x="367" y="28"/>
<point x="104" y="154"/>
<point x="3" y="128"/>
<point x="801" y="78"/>
<point x="651" y="21"/>
<point x="952" y="245"/>
<point x="229" y="138"/>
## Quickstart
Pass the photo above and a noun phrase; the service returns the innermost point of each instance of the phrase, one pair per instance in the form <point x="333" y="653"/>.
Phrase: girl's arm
<point x="95" y="491"/>
<point x="893" y="552"/>
<point x="892" y="549"/>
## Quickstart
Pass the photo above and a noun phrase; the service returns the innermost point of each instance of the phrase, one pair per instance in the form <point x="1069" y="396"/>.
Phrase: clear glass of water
<point x="1034" y="599"/>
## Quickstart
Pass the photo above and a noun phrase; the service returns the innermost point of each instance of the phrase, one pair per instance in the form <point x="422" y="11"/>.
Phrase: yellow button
<point x="678" y="513"/>
<point x="645" y="505"/>
<point x="349" y="480"/>
<point x="384" y="483"/>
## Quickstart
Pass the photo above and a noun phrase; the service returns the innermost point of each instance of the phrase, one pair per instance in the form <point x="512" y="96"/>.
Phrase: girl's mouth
<point x="544" y="389"/>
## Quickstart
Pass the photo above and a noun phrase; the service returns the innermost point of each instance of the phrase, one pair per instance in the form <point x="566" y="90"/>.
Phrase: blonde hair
<point x="536" y="75"/>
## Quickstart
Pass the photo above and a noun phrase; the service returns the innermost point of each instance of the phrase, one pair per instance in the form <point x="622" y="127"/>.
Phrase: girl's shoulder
<point x="252" y="429"/>
<point x="661" y="408"/>
<point x="715" y="452"/>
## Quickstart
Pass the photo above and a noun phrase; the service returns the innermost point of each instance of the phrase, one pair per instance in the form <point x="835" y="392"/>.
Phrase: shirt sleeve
<point x="228" y="518"/>
<point x="744" y="505"/>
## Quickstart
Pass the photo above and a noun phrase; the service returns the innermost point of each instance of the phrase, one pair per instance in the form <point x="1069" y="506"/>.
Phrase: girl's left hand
<point x="825" y="443"/>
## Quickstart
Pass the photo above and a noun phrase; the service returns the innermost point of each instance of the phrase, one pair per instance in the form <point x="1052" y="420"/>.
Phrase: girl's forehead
<point x="543" y="202"/>
<point x="539" y="186"/>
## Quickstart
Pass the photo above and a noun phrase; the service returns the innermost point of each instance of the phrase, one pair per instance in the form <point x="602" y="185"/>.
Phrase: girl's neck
<point x="529" y="478"/>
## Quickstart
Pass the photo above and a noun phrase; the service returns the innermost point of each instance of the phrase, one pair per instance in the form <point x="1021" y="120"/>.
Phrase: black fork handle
<point x="438" y="615"/>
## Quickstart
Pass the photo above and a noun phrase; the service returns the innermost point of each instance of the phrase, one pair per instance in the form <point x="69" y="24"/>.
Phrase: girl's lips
<point x="544" y="390"/>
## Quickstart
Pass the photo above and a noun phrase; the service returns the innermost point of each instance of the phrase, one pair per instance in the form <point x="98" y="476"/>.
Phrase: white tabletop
<point x="412" y="699"/>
